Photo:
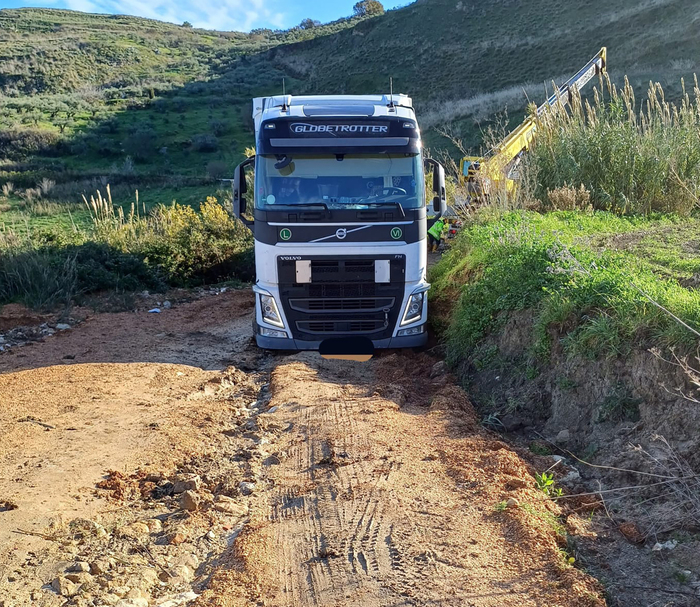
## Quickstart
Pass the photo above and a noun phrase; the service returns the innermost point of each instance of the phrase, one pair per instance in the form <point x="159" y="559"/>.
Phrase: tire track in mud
<point x="366" y="508"/>
<point x="339" y="548"/>
<point x="334" y="562"/>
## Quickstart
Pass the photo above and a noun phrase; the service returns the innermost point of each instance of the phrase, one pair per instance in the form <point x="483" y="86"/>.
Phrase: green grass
<point x="599" y="302"/>
<point x="549" y="520"/>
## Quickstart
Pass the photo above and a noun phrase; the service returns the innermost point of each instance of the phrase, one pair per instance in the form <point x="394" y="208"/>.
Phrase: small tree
<point x="186" y="24"/>
<point x="62" y="123"/>
<point x="368" y="8"/>
<point x="309" y="24"/>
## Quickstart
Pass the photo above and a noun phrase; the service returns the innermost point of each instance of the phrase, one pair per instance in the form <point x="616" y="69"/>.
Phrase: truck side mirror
<point x="240" y="187"/>
<point x="439" y="190"/>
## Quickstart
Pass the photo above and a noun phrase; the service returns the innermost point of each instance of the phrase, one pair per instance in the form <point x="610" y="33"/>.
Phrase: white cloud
<point x="238" y="15"/>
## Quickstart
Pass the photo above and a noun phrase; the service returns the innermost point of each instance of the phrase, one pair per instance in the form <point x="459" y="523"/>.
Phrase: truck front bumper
<point x="277" y="343"/>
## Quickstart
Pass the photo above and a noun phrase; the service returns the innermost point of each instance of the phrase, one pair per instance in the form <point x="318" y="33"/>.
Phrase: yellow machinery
<point x="497" y="170"/>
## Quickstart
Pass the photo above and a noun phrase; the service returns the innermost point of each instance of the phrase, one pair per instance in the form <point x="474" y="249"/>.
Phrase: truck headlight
<point x="412" y="331"/>
<point x="414" y="308"/>
<point x="265" y="332"/>
<point x="270" y="313"/>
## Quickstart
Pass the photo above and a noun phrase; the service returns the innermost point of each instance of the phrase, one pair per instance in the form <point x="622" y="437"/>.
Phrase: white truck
<point x="338" y="211"/>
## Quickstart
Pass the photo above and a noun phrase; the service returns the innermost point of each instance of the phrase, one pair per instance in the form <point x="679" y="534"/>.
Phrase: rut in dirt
<point x="383" y="494"/>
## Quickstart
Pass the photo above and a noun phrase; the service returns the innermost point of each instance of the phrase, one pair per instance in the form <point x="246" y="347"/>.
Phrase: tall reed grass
<point x="630" y="157"/>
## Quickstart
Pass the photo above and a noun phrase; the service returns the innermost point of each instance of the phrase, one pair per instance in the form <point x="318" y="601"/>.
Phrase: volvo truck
<point x="336" y="199"/>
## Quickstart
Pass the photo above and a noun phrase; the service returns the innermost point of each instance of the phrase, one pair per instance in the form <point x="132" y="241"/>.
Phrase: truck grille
<point x="342" y="297"/>
<point x="340" y="326"/>
<point x="350" y="304"/>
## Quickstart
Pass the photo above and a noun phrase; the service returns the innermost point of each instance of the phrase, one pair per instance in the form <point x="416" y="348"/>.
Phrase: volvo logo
<point x="341" y="233"/>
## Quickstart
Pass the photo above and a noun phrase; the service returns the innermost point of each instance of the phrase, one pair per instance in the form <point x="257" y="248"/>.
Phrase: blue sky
<point x="241" y="15"/>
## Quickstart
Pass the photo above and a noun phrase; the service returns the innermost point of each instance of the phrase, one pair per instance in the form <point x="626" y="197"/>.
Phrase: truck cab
<point x="338" y="209"/>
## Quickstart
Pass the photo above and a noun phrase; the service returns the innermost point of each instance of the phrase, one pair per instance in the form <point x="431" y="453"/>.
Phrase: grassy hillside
<point x="87" y="100"/>
<point x="445" y="52"/>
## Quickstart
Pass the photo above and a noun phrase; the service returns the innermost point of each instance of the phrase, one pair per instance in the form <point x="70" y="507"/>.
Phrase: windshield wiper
<point x="386" y="204"/>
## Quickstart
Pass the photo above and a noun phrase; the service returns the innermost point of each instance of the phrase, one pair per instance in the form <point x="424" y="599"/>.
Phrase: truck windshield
<point x="339" y="181"/>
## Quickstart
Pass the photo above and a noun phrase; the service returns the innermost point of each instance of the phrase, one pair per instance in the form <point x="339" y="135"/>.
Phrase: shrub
<point x="111" y="126"/>
<point x="205" y="143"/>
<point x="187" y="247"/>
<point x="50" y="271"/>
<point x="39" y="279"/>
<point x="218" y="127"/>
<point x="17" y="144"/>
<point x="217" y="169"/>
<point x="141" y="144"/>
<point x="100" y="267"/>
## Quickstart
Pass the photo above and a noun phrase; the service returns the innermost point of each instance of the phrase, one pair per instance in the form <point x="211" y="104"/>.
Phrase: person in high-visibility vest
<point x="435" y="234"/>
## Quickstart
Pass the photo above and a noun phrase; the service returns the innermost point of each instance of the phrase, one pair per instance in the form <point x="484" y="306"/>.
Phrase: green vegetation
<point x="550" y="521"/>
<point x="170" y="246"/>
<point x="545" y="483"/>
<point x="539" y="448"/>
<point x="91" y="99"/>
<point x="614" y="156"/>
<point x="87" y="100"/>
<point x="602" y="302"/>
<point x="141" y="103"/>
<point x="607" y="261"/>
<point x="619" y="405"/>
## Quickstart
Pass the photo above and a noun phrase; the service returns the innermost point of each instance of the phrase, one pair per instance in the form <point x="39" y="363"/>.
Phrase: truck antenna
<point x="391" y="92"/>
<point x="285" y="107"/>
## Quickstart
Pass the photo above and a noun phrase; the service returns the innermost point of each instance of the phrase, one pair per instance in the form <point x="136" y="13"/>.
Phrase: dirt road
<point x="162" y="459"/>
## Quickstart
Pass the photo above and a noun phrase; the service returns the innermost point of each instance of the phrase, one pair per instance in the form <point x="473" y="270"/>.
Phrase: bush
<point x="186" y="246"/>
<point x="54" y="267"/>
<point x="141" y="144"/>
<point x="100" y="267"/>
<point x="218" y="127"/>
<point x="39" y="279"/>
<point x="217" y="169"/>
<point x="205" y="143"/>
<point x="17" y="144"/>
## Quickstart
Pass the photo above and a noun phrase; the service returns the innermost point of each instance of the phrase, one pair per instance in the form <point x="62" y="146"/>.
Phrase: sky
<point x="239" y="15"/>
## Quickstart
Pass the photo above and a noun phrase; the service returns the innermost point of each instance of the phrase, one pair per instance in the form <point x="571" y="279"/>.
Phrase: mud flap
<point x="347" y="348"/>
